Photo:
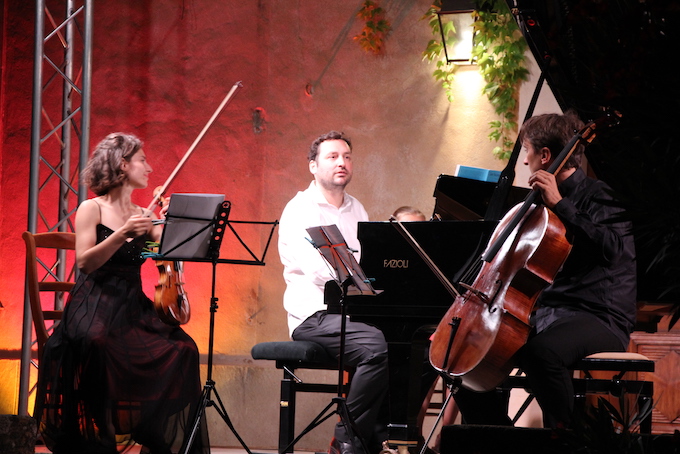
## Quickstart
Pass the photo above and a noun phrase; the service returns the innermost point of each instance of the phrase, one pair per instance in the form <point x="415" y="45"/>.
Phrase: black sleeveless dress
<point x="113" y="373"/>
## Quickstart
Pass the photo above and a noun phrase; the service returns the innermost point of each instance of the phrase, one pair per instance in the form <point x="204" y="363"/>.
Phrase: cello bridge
<point x="481" y="295"/>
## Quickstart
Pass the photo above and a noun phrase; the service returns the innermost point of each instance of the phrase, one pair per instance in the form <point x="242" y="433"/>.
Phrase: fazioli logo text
<point x="395" y="263"/>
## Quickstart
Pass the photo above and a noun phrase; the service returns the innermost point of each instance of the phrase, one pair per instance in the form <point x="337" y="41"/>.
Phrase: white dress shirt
<point x="305" y="271"/>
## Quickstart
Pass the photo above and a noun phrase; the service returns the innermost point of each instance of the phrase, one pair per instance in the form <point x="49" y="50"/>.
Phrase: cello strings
<point x="472" y="272"/>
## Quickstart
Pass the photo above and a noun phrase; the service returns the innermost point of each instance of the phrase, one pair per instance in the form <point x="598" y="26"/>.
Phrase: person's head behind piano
<point x="408" y="213"/>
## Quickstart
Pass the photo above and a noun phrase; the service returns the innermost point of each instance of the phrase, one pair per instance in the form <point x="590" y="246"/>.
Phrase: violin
<point x="170" y="299"/>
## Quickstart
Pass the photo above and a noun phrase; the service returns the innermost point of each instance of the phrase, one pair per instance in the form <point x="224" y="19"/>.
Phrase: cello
<point x="488" y="322"/>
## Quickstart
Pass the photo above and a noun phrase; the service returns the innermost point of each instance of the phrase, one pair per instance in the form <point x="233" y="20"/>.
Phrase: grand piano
<point x="609" y="55"/>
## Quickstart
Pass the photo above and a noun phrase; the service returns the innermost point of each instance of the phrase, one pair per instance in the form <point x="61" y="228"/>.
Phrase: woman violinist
<point x="113" y="371"/>
<point x="590" y="306"/>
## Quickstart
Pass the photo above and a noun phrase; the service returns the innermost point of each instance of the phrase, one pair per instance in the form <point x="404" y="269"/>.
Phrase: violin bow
<point x="172" y="176"/>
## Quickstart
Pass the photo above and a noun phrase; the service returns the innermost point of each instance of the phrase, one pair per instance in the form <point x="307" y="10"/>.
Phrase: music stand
<point x="188" y="215"/>
<point x="189" y="224"/>
<point x="350" y="280"/>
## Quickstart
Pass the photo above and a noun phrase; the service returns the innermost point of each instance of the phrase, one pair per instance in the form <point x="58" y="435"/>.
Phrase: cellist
<point x="590" y="307"/>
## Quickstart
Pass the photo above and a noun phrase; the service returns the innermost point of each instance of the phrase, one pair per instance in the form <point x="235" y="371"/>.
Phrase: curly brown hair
<point x="103" y="171"/>
<point x="554" y="131"/>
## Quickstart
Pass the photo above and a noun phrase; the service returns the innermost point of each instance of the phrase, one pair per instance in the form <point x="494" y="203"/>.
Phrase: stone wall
<point x="161" y="68"/>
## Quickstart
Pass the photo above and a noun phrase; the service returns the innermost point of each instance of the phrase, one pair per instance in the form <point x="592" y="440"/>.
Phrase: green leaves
<point x="435" y="49"/>
<point x="499" y="49"/>
<point x="376" y="28"/>
<point x="499" y="53"/>
<point x="446" y="73"/>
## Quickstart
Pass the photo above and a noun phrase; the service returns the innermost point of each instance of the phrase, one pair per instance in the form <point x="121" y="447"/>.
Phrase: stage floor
<point x="135" y="450"/>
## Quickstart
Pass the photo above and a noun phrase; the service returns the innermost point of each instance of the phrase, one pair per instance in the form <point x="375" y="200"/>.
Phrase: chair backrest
<point x="47" y="283"/>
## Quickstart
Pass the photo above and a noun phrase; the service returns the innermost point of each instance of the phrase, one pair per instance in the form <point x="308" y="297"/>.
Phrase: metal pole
<point x="68" y="132"/>
<point x="87" y="95"/>
<point x="32" y="197"/>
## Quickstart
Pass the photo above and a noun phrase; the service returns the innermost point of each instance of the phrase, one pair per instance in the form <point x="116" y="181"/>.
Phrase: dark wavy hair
<point x="103" y="171"/>
<point x="332" y="135"/>
<point x="554" y="131"/>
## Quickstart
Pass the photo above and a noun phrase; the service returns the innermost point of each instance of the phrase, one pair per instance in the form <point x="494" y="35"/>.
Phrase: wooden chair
<point x="50" y="282"/>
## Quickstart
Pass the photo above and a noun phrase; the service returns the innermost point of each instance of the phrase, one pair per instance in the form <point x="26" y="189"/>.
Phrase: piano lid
<point x="619" y="55"/>
<point x="464" y="199"/>
<point x="604" y="54"/>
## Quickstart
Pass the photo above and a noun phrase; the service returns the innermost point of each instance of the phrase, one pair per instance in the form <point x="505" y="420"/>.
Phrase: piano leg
<point x="411" y="377"/>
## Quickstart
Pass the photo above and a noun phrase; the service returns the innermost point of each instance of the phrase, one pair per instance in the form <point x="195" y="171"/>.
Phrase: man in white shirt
<point x="325" y="202"/>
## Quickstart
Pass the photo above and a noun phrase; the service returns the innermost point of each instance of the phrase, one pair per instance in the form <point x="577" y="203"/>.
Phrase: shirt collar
<point x="569" y="185"/>
<point x="319" y="198"/>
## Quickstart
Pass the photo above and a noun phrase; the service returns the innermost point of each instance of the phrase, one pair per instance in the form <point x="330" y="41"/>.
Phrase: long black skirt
<point x="113" y="374"/>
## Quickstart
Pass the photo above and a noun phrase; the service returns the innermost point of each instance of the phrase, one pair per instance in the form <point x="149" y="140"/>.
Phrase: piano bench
<point x="587" y="384"/>
<point x="291" y="355"/>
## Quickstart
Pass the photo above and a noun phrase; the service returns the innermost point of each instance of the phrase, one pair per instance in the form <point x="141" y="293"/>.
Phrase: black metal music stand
<point x="217" y="226"/>
<point x="350" y="280"/>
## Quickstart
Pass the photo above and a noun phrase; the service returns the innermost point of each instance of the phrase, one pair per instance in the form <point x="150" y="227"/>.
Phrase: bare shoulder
<point x="89" y="211"/>
<point x="89" y="206"/>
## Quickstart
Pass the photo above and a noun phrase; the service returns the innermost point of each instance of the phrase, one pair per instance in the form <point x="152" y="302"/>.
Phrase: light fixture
<point x="455" y="24"/>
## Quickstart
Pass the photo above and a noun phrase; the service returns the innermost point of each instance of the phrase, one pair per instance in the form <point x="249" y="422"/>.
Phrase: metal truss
<point x="60" y="136"/>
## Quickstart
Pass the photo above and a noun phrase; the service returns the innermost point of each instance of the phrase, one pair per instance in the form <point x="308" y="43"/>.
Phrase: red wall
<point x="159" y="72"/>
<point x="161" y="68"/>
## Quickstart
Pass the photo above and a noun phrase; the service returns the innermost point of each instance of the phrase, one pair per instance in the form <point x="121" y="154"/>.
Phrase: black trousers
<point x="366" y="352"/>
<point x="547" y="359"/>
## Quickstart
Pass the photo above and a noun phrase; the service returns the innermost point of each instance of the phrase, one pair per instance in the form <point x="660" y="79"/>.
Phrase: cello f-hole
<point x="499" y="285"/>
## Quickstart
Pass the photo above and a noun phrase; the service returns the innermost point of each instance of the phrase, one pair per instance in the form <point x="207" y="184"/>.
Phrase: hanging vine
<point x="499" y="49"/>
<point x="499" y="52"/>
<point x="435" y="48"/>
<point x="376" y="28"/>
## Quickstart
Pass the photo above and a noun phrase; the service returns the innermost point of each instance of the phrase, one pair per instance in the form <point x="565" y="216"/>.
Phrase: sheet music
<point x="333" y="247"/>
<point x="188" y="226"/>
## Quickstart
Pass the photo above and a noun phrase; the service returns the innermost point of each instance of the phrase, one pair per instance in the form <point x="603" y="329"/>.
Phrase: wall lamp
<point x="455" y="24"/>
